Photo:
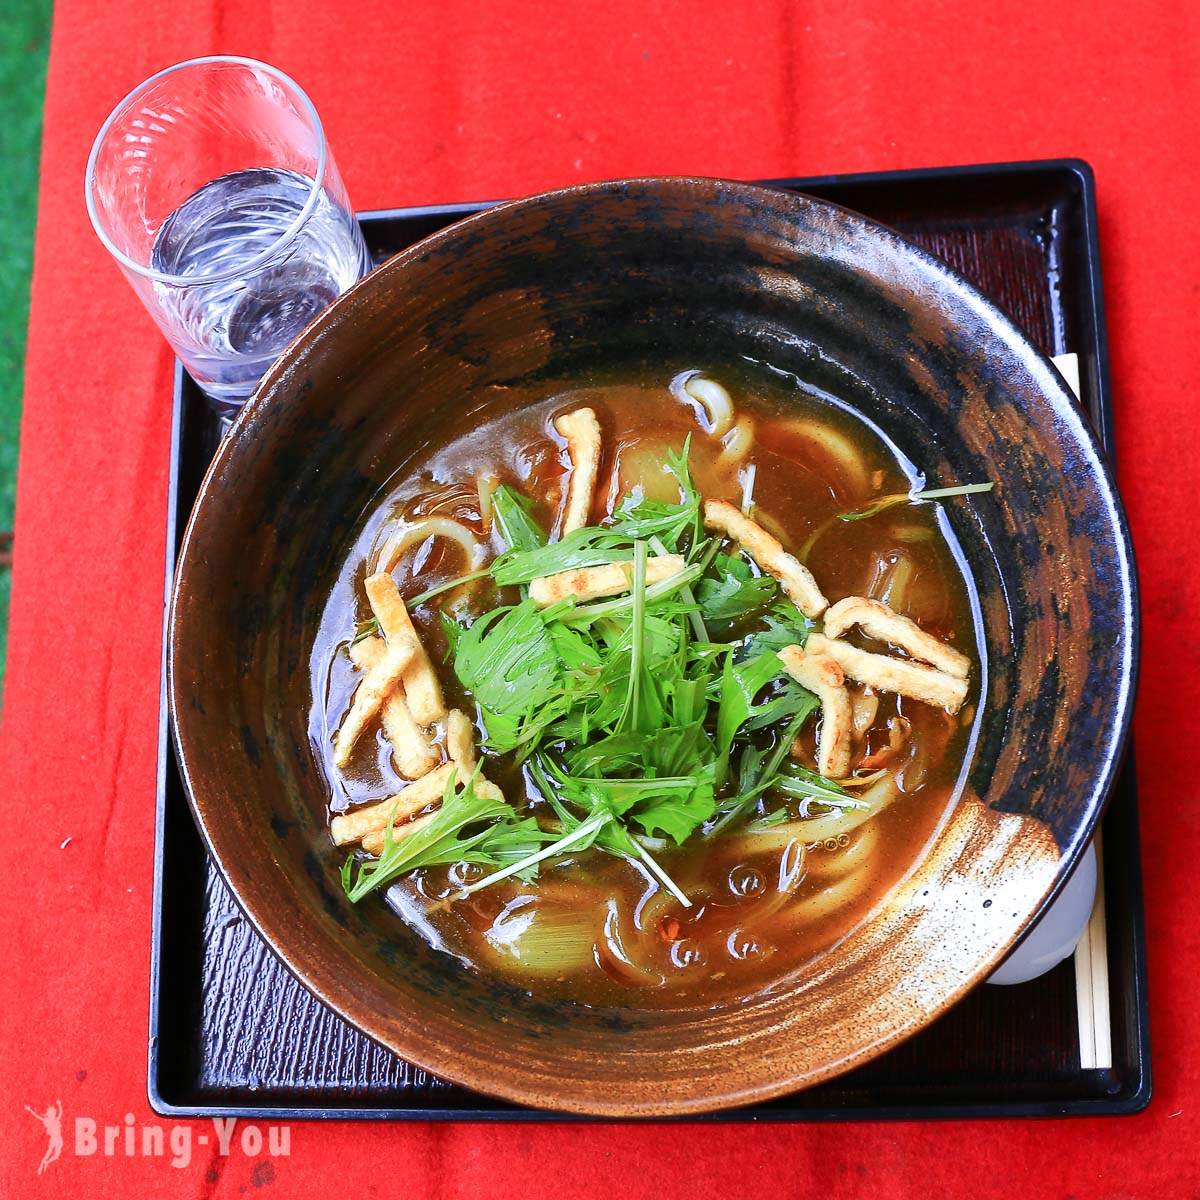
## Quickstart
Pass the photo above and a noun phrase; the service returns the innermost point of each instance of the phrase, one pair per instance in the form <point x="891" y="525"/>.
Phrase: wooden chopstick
<point x="1091" y="980"/>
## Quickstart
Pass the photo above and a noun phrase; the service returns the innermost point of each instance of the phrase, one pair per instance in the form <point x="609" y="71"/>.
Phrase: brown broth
<point x="764" y="904"/>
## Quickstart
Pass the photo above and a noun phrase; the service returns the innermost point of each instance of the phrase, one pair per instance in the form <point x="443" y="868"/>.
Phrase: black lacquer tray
<point x="231" y="1032"/>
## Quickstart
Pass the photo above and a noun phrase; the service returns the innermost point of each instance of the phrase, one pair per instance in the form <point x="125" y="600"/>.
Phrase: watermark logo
<point x="174" y="1144"/>
<point x="51" y="1121"/>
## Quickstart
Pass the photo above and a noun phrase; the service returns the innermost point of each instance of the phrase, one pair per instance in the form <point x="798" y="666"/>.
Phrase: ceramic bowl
<point x="551" y="288"/>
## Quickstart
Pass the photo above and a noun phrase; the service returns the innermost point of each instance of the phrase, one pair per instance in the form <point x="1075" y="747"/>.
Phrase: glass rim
<point x="144" y="270"/>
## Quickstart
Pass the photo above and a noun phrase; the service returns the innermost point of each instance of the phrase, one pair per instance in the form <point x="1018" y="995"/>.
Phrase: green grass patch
<point x="24" y="43"/>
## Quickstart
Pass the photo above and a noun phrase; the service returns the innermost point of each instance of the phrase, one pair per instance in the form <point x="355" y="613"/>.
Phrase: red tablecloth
<point x="458" y="101"/>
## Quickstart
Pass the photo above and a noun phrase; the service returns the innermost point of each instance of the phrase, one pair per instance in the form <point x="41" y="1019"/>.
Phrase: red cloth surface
<point x="460" y="101"/>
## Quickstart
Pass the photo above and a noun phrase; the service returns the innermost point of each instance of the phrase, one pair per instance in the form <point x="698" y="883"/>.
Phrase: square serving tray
<point x="232" y="1033"/>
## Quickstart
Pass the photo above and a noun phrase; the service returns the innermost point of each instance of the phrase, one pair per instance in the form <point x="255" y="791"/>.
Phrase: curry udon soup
<point x="614" y="701"/>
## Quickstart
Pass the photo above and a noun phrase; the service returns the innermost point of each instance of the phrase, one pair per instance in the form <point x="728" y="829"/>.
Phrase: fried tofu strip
<point x="354" y="826"/>
<point x="372" y="843"/>
<point x="412" y="748"/>
<point x="590" y="583"/>
<point x="376" y="686"/>
<point x="826" y="680"/>
<point x="897" y="675"/>
<point x="878" y="620"/>
<point x="421" y="686"/>
<point x="460" y="742"/>
<point x="582" y="432"/>
<point x="795" y="578"/>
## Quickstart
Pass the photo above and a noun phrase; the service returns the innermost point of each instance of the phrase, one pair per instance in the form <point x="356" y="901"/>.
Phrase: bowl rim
<point x="1050" y="384"/>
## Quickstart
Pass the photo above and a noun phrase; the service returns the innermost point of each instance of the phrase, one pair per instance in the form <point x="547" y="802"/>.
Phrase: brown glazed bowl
<point x="547" y="289"/>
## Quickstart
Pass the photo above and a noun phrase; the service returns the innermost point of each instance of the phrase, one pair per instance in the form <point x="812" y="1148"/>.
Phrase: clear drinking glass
<point x="213" y="188"/>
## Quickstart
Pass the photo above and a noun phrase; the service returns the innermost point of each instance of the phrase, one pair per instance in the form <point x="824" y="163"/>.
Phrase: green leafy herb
<point x="775" y="817"/>
<point x="836" y="808"/>
<point x="508" y="661"/>
<point x="886" y="502"/>
<point x="798" y="780"/>
<point x="740" y="683"/>
<point x="643" y="518"/>
<point x="514" y="519"/>
<point x="448" y="586"/>
<point x="365" y="629"/>
<point x="642" y="706"/>
<point x="785" y="625"/>
<point x="501" y="839"/>
<point x="576" y="839"/>
<point x="788" y="699"/>
<point x="453" y="632"/>
<point x="640" y="718"/>
<point x="621" y="605"/>
<point x="690" y="497"/>
<point x="590" y="546"/>
<point x="685" y="594"/>
<point x="732" y="591"/>
<point x="764" y="772"/>
<point x="677" y="811"/>
<point x="657" y="803"/>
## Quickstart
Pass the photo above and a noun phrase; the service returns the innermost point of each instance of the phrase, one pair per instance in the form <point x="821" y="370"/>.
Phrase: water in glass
<point x="238" y="325"/>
